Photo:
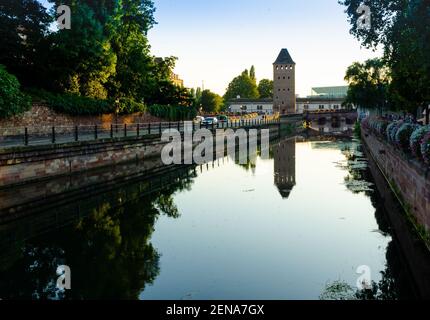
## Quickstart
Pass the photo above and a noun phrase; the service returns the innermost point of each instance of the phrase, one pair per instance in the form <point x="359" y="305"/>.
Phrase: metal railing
<point x="46" y="135"/>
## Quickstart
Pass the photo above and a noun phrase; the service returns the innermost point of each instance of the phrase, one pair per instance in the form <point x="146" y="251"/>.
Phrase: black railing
<point x="31" y="136"/>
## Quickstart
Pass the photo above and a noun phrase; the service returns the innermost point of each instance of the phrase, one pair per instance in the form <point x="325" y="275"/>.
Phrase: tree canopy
<point x="265" y="88"/>
<point x="402" y="29"/>
<point x="244" y="85"/>
<point x="211" y="102"/>
<point x="105" y="55"/>
<point x="368" y="84"/>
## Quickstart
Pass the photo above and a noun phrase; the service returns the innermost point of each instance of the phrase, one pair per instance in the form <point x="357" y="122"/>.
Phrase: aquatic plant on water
<point x="416" y="139"/>
<point x="403" y="136"/>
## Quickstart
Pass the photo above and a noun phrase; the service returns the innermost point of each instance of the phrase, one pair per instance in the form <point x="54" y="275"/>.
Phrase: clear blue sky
<point x="217" y="40"/>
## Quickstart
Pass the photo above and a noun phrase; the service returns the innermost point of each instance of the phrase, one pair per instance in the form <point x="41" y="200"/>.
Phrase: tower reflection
<point x="285" y="166"/>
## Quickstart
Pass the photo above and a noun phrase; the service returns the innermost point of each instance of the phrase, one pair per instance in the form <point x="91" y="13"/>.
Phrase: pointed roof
<point x="284" y="58"/>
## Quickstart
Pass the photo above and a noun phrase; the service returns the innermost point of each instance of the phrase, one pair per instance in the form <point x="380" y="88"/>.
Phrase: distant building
<point x="284" y="84"/>
<point x="319" y="103"/>
<point x="251" y="105"/>
<point x="176" y="80"/>
<point x="285" y="100"/>
<point x="333" y="92"/>
<point x="323" y="98"/>
<point x="173" y="76"/>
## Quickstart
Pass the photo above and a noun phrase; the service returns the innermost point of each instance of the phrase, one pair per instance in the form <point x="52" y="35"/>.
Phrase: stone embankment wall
<point x="19" y="165"/>
<point x="409" y="178"/>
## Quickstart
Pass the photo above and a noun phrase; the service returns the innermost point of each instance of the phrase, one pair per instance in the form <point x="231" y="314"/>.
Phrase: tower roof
<point x="284" y="58"/>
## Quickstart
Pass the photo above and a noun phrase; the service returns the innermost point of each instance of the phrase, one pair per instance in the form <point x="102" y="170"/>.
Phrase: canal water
<point x="304" y="224"/>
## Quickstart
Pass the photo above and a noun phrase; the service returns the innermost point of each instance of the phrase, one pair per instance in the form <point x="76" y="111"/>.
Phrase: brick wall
<point x="410" y="177"/>
<point x="42" y="116"/>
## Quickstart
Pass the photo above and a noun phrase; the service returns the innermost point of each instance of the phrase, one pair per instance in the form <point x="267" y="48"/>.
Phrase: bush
<point x="12" y="100"/>
<point x="403" y="136"/>
<point x="172" y="113"/>
<point x="416" y="139"/>
<point x="73" y="104"/>
<point x="127" y="106"/>
<point x="77" y="105"/>
<point x="392" y="130"/>
<point x="425" y="148"/>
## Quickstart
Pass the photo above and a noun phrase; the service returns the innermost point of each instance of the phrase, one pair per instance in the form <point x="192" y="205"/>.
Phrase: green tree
<point x="243" y="86"/>
<point x="265" y="88"/>
<point x="23" y="25"/>
<point x="368" y="84"/>
<point x="136" y="70"/>
<point x="402" y="29"/>
<point x="211" y="102"/>
<point x="12" y="101"/>
<point x="81" y="60"/>
<point x="252" y="73"/>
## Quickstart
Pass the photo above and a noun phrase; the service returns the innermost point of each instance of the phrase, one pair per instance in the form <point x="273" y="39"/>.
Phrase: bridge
<point x="323" y="117"/>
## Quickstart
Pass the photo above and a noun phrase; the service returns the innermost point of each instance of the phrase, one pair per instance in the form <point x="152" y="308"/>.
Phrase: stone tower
<point x="284" y="84"/>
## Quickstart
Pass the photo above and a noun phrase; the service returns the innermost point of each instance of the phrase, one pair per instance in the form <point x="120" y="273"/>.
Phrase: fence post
<point x="96" y="134"/>
<point x="179" y="126"/>
<point x="26" y="136"/>
<point x="76" y="134"/>
<point x="53" y="135"/>
<point x="149" y="128"/>
<point x="111" y="131"/>
<point x="138" y="129"/>
<point x="125" y="129"/>
<point x="160" y="127"/>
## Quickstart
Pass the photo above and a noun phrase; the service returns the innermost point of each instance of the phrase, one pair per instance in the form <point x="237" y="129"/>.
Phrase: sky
<point x="215" y="40"/>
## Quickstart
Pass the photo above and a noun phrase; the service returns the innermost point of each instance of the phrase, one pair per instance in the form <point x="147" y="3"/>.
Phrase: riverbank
<point x="20" y="165"/>
<point x="408" y="179"/>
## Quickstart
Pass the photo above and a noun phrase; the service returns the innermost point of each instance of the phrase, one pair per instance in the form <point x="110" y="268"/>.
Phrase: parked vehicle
<point x="210" y="121"/>
<point x="199" y="119"/>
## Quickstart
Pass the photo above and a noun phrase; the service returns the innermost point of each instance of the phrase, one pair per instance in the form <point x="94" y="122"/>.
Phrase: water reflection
<point x="115" y="240"/>
<point x="336" y="126"/>
<point x="109" y="249"/>
<point x="284" y="156"/>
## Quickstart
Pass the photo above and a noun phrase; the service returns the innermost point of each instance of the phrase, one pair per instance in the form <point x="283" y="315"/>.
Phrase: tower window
<point x="284" y="77"/>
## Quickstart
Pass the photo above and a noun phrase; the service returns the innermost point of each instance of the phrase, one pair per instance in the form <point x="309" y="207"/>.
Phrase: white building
<point x="321" y="99"/>
<point x="312" y="104"/>
<point x="264" y="106"/>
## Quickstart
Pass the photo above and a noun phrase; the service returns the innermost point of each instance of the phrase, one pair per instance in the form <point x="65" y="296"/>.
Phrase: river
<point x="304" y="224"/>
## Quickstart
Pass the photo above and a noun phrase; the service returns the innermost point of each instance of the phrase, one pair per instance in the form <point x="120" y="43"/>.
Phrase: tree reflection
<point x="109" y="251"/>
